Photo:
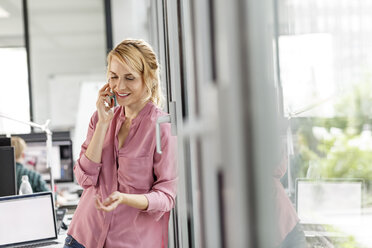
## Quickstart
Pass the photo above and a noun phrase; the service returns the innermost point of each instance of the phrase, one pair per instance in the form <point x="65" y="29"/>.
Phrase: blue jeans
<point x="70" y="242"/>
<point x="295" y="239"/>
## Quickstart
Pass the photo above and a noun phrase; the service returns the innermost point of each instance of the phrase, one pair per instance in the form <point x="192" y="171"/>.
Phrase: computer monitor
<point x="4" y="141"/>
<point x="8" y="183"/>
<point x="329" y="201"/>
<point x="61" y="156"/>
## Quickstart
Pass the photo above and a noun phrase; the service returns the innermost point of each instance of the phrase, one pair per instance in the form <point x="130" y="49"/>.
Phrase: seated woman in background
<point x="37" y="183"/>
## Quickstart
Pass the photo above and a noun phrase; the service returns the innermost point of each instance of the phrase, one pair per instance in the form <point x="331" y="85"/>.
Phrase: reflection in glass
<point x="325" y="59"/>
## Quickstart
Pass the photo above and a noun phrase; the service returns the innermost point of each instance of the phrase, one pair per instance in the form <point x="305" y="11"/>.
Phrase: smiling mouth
<point x="123" y="95"/>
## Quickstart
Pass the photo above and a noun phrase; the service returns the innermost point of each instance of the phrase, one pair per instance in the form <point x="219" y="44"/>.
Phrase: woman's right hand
<point x="104" y="105"/>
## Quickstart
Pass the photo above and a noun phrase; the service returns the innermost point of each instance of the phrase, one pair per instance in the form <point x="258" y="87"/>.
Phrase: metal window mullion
<point x="28" y="55"/>
<point x="108" y="25"/>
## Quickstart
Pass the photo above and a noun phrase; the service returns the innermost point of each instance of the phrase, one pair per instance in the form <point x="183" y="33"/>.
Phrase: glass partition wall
<point x="67" y="51"/>
<point x="325" y="61"/>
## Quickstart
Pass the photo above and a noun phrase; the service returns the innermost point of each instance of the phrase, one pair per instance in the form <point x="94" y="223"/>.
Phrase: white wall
<point x="130" y="19"/>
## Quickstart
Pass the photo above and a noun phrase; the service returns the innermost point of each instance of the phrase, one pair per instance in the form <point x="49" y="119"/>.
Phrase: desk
<point x="67" y="200"/>
<point x="62" y="234"/>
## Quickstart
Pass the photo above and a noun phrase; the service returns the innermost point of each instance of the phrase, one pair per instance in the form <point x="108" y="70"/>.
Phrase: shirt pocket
<point x="136" y="172"/>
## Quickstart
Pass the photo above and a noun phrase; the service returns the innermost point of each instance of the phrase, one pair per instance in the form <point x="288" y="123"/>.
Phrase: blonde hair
<point x="139" y="55"/>
<point x="19" y="146"/>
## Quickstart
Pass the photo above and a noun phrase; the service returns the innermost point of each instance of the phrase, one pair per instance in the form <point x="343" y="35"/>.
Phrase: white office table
<point x="62" y="233"/>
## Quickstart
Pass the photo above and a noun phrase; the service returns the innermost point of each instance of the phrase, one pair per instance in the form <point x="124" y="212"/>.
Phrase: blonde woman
<point x="129" y="189"/>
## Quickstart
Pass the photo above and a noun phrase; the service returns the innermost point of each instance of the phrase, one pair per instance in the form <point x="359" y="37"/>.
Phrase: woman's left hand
<point x="111" y="202"/>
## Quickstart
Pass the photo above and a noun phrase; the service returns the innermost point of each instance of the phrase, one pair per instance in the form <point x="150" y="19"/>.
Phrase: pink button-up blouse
<point x="136" y="168"/>
<point x="285" y="213"/>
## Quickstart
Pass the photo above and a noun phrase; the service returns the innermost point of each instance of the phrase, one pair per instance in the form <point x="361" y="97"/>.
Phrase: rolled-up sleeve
<point x="162" y="196"/>
<point x="87" y="171"/>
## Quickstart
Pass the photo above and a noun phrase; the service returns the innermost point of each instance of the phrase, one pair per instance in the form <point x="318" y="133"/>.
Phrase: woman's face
<point x="127" y="84"/>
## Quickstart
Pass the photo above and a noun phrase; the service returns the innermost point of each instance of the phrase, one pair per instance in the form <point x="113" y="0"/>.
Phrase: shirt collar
<point x="143" y="112"/>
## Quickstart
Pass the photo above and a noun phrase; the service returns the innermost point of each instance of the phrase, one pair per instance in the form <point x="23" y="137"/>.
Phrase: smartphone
<point x="113" y="97"/>
<point x="110" y="100"/>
